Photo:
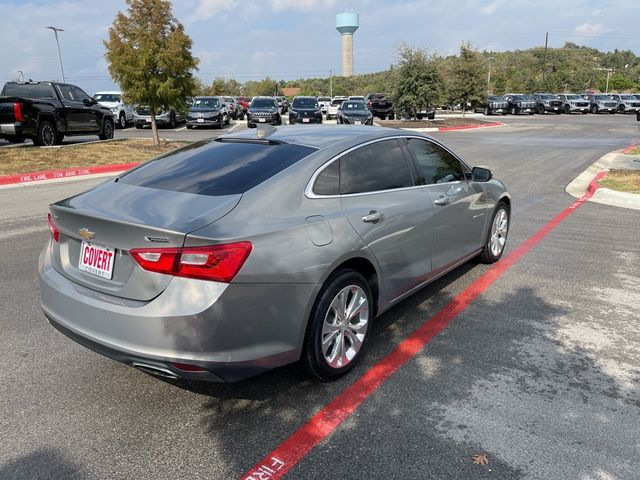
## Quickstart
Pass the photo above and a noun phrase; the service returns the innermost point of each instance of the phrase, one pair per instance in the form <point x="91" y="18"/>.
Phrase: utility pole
<point x="544" y="61"/>
<point x="55" y="32"/>
<point x="606" y="89"/>
<point x="489" y="77"/>
<point x="331" y="83"/>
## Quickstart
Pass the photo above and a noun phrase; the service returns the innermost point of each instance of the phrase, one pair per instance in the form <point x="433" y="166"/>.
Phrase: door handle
<point x="442" y="201"/>
<point x="374" y="216"/>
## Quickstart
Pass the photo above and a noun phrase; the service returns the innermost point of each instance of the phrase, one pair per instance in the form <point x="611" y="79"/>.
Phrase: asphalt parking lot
<point x="540" y="372"/>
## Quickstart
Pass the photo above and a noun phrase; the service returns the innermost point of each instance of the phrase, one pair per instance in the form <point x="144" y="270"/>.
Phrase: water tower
<point x="347" y="24"/>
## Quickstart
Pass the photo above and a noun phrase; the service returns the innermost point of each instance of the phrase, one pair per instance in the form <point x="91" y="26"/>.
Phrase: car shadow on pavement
<point x="43" y="464"/>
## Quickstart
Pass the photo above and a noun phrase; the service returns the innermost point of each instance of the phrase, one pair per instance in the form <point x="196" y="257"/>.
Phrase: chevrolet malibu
<point x="233" y="256"/>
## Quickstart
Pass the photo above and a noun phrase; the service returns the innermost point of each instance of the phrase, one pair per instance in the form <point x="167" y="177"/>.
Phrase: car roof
<point x="321" y="136"/>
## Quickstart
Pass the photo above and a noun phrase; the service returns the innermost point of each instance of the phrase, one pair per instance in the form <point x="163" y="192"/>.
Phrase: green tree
<point x="222" y="86"/>
<point x="417" y="80"/>
<point x="467" y="82"/>
<point x="149" y="56"/>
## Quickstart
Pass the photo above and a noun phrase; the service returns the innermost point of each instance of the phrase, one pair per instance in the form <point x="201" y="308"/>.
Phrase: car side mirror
<point x="89" y="101"/>
<point x="481" y="174"/>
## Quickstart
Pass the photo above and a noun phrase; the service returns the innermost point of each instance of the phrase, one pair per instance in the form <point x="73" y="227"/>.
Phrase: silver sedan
<point x="233" y="256"/>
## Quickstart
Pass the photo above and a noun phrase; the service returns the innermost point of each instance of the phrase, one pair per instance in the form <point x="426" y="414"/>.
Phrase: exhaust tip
<point x="155" y="370"/>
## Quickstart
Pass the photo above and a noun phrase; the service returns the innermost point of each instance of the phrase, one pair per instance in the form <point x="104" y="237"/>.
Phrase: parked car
<point x="283" y="104"/>
<point x="165" y="117"/>
<point x="637" y="95"/>
<point x="324" y="103"/>
<point x="572" y="102"/>
<point x="207" y="112"/>
<point x="244" y="102"/>
<point x="46" y="112"/>
<point x="354" y="112"/>
<point x="421" y="112"/>
<point x="492" y="104"/>
<point x="547" y="102"/>
<point x="380" y="106"/>
<point x="237" y="255"/>
<point x="234" y="110"/>
<point x="520" y="103"/>
<point x="332" y="112"/>
<point x="122" y="112"/>
<point x="263" y="110"/>
<point x="602" y="103"/>
<point x="305" y="110"/>
<point x="626" y="103"/>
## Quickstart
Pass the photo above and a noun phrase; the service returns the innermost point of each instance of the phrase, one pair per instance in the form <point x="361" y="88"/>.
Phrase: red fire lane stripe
<point x="276" y="464"/>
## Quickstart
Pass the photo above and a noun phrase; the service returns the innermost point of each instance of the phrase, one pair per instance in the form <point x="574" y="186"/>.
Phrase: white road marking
<point x="234" y="127"/>
<point x="180" y="129"/>
<point x="22" y="231"/>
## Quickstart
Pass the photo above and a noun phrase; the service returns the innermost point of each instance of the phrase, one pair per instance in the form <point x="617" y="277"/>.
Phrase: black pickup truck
<point x="46" y="112"/>
<point x="380" y="106"/>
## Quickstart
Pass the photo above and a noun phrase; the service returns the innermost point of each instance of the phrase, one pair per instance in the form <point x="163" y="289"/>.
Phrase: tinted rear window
<point x="216" y="168"/>
<point x="28" y="91"/>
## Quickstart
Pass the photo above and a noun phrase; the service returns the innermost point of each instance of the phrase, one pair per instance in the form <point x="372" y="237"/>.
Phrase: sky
<point x="289" y="39"/>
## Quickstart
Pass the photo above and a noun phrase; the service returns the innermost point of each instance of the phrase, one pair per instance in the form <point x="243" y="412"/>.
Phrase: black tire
<point x="228" y="120"/>
<point x="486" y="111"/>
<point x="620" y="108"/>
<point x="567" y="109"/>
<point x="47" y="134"/>
<point x="139" y="126"/>
<point x="107" y="130"/>
<point x="540" y="110"/>
<point x="487" y="255"/>
<point x="220" y="123"/>
<point x="312" y="354"/>
<point x="595" y="109"/>
<point x="122" y="120"/>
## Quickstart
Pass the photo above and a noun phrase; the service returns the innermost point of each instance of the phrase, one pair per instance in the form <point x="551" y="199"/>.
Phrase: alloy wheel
<point x="499" y="230"/>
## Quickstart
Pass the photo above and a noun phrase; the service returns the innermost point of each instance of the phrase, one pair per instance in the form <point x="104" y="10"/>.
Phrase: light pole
<point x="606" y="88"/>
<point x="55" y="32"/>
<point x="489" y="77"/>
<point x="331" y="83"/>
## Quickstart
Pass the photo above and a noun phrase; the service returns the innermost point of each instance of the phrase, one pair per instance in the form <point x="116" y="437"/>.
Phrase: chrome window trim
<point x="309" y="193"/>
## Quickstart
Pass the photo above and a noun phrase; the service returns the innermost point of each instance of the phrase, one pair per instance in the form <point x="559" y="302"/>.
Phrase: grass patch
<point x="438" y="122"/>
<point x="35" y="159"/>
<point x="622" y="180"/>
<point x="635" y="151"/>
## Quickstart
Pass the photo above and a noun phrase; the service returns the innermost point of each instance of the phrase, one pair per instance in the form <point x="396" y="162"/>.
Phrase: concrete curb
<point x="456" y="128"/>
<point x="63" y="174"/>
<point x="589" y="181"/>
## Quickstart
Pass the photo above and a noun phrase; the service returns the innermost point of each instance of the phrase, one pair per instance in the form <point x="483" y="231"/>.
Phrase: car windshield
<point x="324" y="99"/>
<point x="574" y="97"/>
<point x="352" y="106"/>
<point x="216" y="168"/>
<point x="602" y="97"/>
<point x="106" y="97"/>
<point x="548" y="97"/>
<point x="205" y="102"/>
<point x="304" y="103"/>
<point x="263" y="103"/>
<point x="627" y="97"/>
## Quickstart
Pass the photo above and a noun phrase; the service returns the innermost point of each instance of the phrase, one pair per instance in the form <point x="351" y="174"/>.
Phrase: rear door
<point x="460" y="205"/>
<point x="390" y="214"/>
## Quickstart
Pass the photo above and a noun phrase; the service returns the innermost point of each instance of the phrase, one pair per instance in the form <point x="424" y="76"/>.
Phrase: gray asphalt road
<point x="541" y="372"/>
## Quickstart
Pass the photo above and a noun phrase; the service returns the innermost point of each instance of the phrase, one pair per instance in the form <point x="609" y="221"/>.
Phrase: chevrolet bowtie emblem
<point x="86" y="234"/>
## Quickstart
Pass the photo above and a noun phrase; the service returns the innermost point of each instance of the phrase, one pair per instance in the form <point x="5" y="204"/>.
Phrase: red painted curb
<point x="295" y="448"/>
<point x="595" y="183"/>
<point x="468" y="127"/>
<point x="629" y="148"/>
<point x="64" y="173"/>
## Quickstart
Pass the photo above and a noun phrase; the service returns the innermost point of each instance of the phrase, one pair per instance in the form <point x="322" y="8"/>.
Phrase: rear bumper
<point x="234" y="331"/>
<point x="11" y="129"/>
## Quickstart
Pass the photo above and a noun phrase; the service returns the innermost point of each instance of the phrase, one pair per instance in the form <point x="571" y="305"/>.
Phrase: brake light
<point x="53" y="228"/>
<point x="219" y="263"/>
<point x="369" y="103"/>
<point x="17" y="112"/>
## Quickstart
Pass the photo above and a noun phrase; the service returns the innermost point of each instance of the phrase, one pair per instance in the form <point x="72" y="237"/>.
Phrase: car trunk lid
<point x="121" y="217"/>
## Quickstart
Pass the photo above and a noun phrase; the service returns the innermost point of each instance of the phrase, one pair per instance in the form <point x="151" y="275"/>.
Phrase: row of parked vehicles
<point x="518" y="103"/>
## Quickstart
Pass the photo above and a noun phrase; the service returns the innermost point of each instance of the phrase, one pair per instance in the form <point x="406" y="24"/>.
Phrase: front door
<point x="460" y="205"/>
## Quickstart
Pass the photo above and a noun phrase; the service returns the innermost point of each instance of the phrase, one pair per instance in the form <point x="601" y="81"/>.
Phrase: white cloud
<point x="279" y="5"/>
<point x="209" y="8"/>
<point x="590" y="29"/>
<point x="490" y="8"/>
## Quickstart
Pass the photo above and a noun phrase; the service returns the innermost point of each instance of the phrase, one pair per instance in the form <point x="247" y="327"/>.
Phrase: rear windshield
<point x="216" y="167"/>
<point x="40" y="90"/>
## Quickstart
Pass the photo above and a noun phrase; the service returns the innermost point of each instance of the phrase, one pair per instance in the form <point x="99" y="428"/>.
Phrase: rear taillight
<point x="55" y="233"/>
<point x="17" y="112"/>
<point x="219" y="263"/>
